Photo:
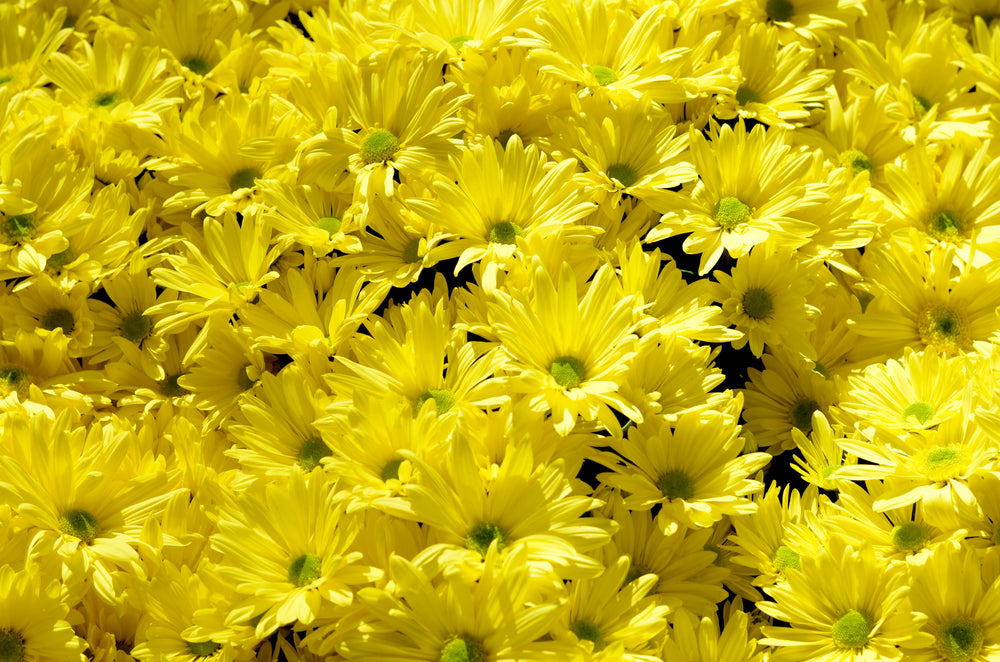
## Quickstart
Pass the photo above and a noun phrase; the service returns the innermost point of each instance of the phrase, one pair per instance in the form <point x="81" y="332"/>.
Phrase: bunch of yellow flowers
<point x="500" y="330"/>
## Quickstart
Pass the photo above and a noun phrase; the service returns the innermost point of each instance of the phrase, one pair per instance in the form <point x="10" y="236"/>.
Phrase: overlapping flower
<point x="500" y="331"/>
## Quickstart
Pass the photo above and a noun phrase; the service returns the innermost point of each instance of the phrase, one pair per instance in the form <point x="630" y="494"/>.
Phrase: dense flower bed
<point x="514" y="330"/>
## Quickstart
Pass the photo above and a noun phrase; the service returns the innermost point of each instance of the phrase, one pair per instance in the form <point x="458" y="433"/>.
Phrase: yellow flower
<point x="765" y="298"/>
<point x="33" y="623"/>
<point x="844" y="605"/>
<point x="692" y="470"/>
<point x="691" y="640"/>
<point x="753" y="187"/>
<point x="567" y="354"/>
<point x="287" y="547"/>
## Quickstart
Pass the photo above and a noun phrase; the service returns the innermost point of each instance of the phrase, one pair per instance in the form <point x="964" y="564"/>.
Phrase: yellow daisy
<point x="692" y="470"/>
<point x="924" y="300"/>
<point x="287" y="549"/>
<point x="810" y="21"/>
<point x="500" y="195"/>
<point x="844" y="605"/>
<point x="693" y="640"/>
<point x="753" y="187"/>
<point x="29" y="37"/>
<point x="569" y="354"/>
<point x="765" y="297"/>
<point x="33" y="623"/>
<point x="779" y="85"/>
<point x="400" y="116"/>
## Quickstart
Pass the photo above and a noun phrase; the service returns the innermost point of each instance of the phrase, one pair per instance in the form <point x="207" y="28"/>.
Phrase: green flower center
<point x="946" y="226"/>
<point x="202" y="648"/>
<point x="243" y="178"/>
<point x="857" y="161"/>
<point x="959" y="640"/>
<point x="484" y="533"/>
<point x="5" y="78"/>
<point x="941" y="325"/>
<point x="459" y="41"/>
<point x="305" y="570"/>
<point x="941" y="463"/>
<point x="107" y="99"/>
<point x="921" y="105"/>
<point x="391" y="469"/>
<point x="442" y="397"/>
<point x="676" y="485"/>
<point x="136" y="327"/>
<point x="758" y="303"/>
<point x="59" y="260"/>
<point x="909" y="536"/>
<point x="243" y="378"/>
<point x="779" y="10"/>
<point x="20" y="227"/>
<point x="568" y="372"/>
<point x="731" y="212"/>
<point x="378" y="146"/>
<point x="311" y="452"/>
<point x="197" y="65"/>
<point x="462" y="649"/>
<point x="170" y="388"/>
<point x="504" y="232"/>
<point x="411" y="252"/>
<point x="505" y="135"/>
<point x="719" y="560"/>
<point x="624" y="173"/>
<point x="801" y="414"/>
<point x="79" y="524"/>
<point x="329" y="223"/>
<point x="604" y="75"/>
<point x="919" y="410"/>
<point x="852" y="630"/>
<point x="745" y="95"/>
<point x="11" y="646"/>
<point x="12" y="377"/>
<point x="821" y="369"/>
<point x="587" y="630"/>
<point x="786" y="557"/>
<point x="58" y="318"/>
<point x="635" y="571"/>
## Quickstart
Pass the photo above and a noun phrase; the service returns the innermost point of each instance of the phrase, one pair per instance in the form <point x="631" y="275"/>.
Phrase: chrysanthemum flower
<point x="918" y="392"/>
<point x="686" y="567"/>
<point x="445" y="25"/>
<point x="502" y="193"/>
<point x="779" y="534"/>
<point x="33" y="623"/>
<point x="765" y="297"/>
<point x="325" y="221"/>
<point x="174" y="603"/>
<point x="753" y="187"/>
<point x="420" y="618"/>
<point x="923" y="300"/>
<point x="313" y="310"/>
<point x="470" y="513"/>
<point x="784" y="396"/>
<point x="819" y="452"/>
<point x="417" y="355"/>
<point x="810" y="21"/>
<point x="66" y="481"/>
<point x="691" y="640"/>
<point x="628" y="148"/>
<point x="844" y="605"/>
<point x="569" y="354"/>
<point x="222" y="269"/>
<point x="954" y="201"/>
<point x="610" y="618"/>
<point x="287" y="547"/>
<point x="899" y="535"/>
<point x="963" y="611"/>
<point x="400" y="116"/>
<point x="217" y="152"/>
<point x="778" y="85"/>
<point x="692" y="470"/>
<point x="607" y="48"/>
<point x="29" y="37"/>
<point x="43" y="307"/>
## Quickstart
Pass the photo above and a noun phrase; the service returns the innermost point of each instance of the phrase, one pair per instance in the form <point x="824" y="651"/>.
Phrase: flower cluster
<point x="506" y="331"/>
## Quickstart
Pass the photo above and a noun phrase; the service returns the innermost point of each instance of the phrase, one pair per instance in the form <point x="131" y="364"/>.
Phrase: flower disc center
<point x="378" y="146"/>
